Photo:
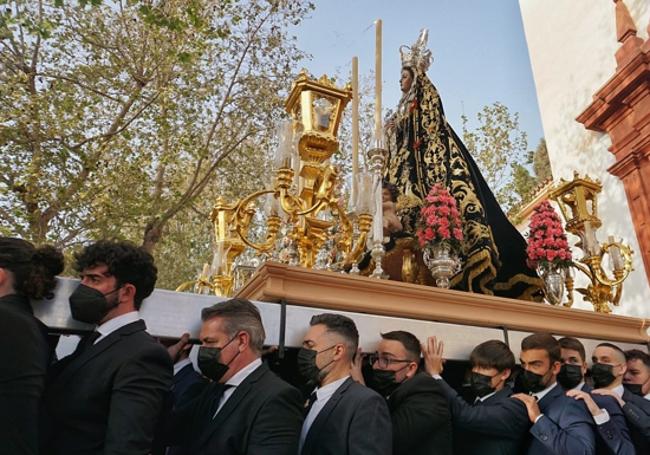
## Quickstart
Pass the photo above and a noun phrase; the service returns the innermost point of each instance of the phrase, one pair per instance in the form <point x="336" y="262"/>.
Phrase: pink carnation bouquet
<point x="439" y="219"/>
<point x="547" y="242"/>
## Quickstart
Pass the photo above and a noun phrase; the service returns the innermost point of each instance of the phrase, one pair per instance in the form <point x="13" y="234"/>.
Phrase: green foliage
<point x="541" y="163"/>
<point x="126" y="118"/>
<point x="500" y="149"/>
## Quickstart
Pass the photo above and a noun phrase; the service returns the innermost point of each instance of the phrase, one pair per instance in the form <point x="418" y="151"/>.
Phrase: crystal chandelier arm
<point x="365" y="223"/>
<point x="188" y="284"/>
<point x="582" y="268"/>
<point x="320" y="204"/>
<point x="185" y="285"/>
<point x="600" y="274"/>
<point x="242" y="221"/>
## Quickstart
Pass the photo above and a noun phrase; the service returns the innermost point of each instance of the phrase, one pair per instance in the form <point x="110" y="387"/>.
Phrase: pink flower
<point x="429" y="234"/>
<point x="458" y="234"/>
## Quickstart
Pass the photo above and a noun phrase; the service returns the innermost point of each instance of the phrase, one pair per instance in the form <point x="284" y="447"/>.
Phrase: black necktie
<point x="310" y="402"/>
<point x="214" y="406"/>
<point x="87" y="341"/>
<point x="84" y="343"/>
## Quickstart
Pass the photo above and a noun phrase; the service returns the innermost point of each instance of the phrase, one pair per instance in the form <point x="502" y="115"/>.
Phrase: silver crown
<point x="417" y="56"/>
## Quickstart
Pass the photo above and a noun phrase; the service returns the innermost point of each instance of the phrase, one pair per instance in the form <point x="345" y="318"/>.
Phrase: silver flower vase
<point x="554" y="277"/>
<point x="442" y="263"/>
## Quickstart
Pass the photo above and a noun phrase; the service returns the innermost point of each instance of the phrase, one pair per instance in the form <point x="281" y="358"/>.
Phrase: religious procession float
<point x="418" y="242"/>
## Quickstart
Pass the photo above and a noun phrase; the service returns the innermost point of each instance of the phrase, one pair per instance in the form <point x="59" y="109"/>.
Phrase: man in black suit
<point x="342" y="416"/>
<point x="418" y="407"/>
<point x="561" y="425"/>
<point x="26" y="273"/>
<point x="107" y="397"/>
<point x="494" y="424"/>
<point x="608" y="371"/>
<point x="637" y="377"/>
<point x="246" y="409"/>
<point x="613" y="436"/>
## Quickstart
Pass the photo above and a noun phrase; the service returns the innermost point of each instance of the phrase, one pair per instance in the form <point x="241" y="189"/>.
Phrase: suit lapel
<point x="96" y="349"/>
<point x="550" y="397"/>
<point x="323" y="415"/>
<point x="501" y="395"/>
<point x="240" y="392"/>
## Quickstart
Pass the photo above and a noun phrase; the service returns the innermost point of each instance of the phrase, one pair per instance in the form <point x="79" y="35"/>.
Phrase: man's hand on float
<point x="432" y="351"/>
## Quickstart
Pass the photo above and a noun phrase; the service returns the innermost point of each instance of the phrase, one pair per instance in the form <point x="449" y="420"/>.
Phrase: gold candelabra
<point x="304" y="194"/>
<point x="578" y="202"/>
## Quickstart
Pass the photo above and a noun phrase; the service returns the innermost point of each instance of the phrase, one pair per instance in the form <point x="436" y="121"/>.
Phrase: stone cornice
<point x="608" y="99"/>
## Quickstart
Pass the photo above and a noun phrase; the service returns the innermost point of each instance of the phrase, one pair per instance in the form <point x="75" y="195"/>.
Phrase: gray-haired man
<point x="246" y="408"/>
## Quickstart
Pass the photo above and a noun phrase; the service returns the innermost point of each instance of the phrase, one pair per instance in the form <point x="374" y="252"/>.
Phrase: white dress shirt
<point x="485" y="397"/>
<point x="579" y="386"/>
<point x="178" y="366"/>
<point x="647" y="396"/>
<point x="323" y="394"/>
<point x="114" y="324"/>
<point x="236" y="380"/>
<point x="542" y="394"/>
<point x="618" y="390"/>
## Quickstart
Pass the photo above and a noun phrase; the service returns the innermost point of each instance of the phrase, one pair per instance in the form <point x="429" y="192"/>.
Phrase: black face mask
<point x="602" y="375"/>
<point x="569" y="376"/>
<point x="530" y="382"/>
<point x="307" y="365"/>
<point x="90" y="305"/>
<point x="634" y="389"/>
<point x="209" y="361"/>
<point x="481" y="384"/>
<point x="383" y="381"/>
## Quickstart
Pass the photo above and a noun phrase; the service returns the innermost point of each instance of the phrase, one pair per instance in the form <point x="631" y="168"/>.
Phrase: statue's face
<point x="386" y="196"/>
<point x="406" y="80"/>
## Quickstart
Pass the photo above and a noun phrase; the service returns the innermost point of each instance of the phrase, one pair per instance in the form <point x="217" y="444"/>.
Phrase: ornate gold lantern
<point x="308" y="203"/>
<point x="578" y="202"/>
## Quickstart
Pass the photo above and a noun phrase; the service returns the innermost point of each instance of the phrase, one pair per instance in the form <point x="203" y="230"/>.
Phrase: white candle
<point x="378" y="119"/>
<point x="615" y="253"/>
<point x="378" y="222"/>
<point x="295" y="156"/>
<point x="217" y="260"/>
<point x="355" y="129"/>
<point x="285" y="139"/>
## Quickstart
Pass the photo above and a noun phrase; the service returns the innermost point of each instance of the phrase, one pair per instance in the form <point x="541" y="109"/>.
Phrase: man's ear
<point x="505" y="374"/>
<point x="128" y="292"/>
<point x="339" y="351"/>
<point x="244" y="340"/>
<point x="412" y="370"/>
<point x="5" y="279"/>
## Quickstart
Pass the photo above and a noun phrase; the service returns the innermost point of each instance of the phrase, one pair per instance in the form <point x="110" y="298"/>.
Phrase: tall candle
<point x="355" y="128"/>
<point x="615" y="253"/>
<point x="378" y="222"/>
<point x="378" y="119"/>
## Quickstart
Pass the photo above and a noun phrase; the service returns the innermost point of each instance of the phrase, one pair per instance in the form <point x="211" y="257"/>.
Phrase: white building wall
<point x="571" y="44"/>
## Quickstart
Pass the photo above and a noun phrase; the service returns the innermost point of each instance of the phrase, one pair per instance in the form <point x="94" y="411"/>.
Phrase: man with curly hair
<point x="107" y="396"/>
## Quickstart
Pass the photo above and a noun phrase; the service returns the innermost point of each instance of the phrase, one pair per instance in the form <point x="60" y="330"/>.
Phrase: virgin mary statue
<point x="425" y="150"/>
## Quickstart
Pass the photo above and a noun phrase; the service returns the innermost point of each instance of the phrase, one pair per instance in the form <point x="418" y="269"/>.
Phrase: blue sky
<point x="479" y="48"/>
